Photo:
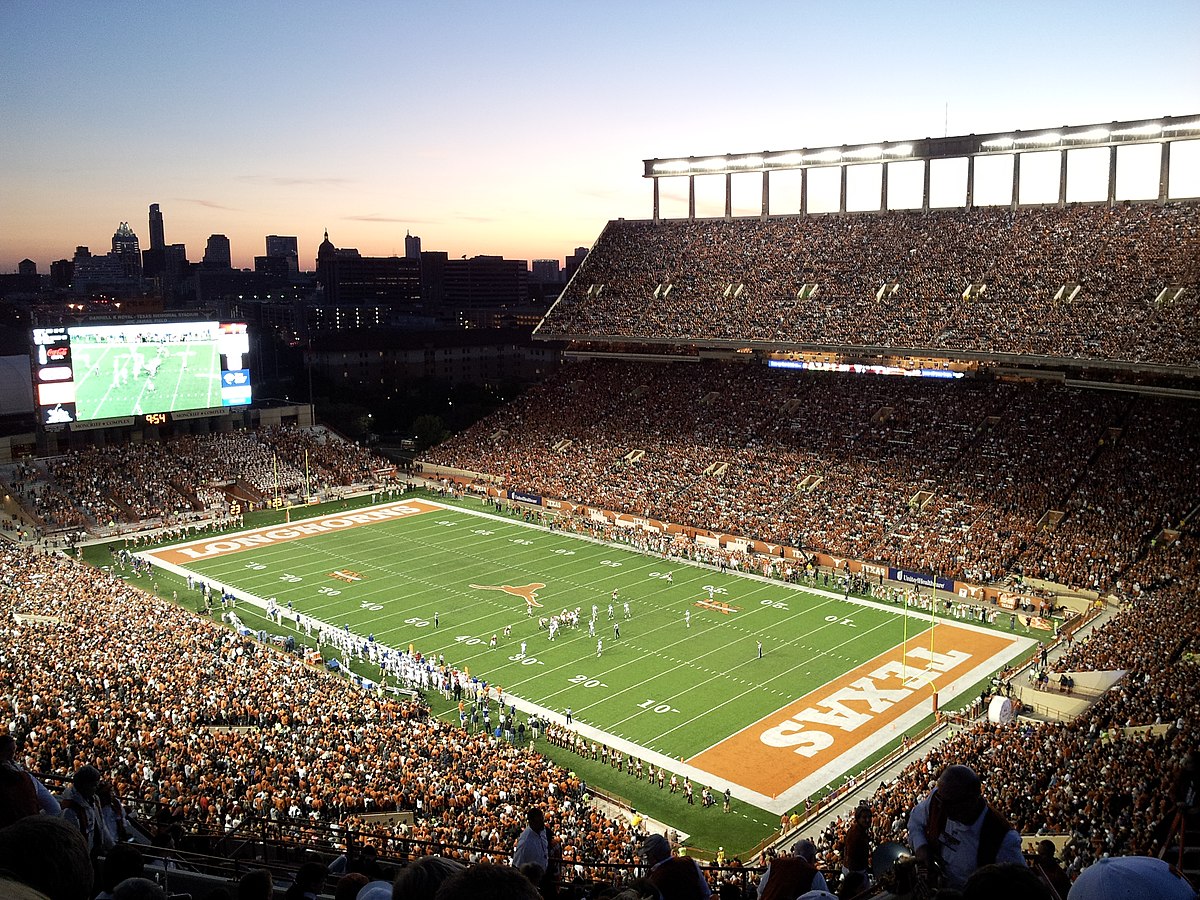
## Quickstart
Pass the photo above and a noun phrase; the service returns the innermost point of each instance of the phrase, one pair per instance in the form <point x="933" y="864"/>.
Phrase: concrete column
<point x="1112" y="175"/>
<point x="1016" y="192"/>
<point x="1164" y="172"/>
<point x="728" y="195"/>
<point x="925" y="189"/>
<point x="970" y="182"/>
<point x="842" y="189"/>
<point x="883" y="194"/>
<point x="766" y="193"/>
<point x="1062" y="178"/>
<point x="656" y="208"/>
<point x="691" y="198"/>
<point x="804" y="192"/>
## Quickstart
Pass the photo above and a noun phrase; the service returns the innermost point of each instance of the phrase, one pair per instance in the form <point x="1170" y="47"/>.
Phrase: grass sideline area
<point x="683" y="675"/>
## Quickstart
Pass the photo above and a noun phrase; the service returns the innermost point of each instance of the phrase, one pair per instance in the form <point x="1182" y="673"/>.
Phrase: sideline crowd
<point x="957" y="479"/>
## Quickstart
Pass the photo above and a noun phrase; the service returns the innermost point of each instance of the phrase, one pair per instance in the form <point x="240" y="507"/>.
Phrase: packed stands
<point x="178" y="710"/>
<point x="744" y="280"/>
<point x="955" y="478"/>
<point x="222" y="731"/>
<point x="1103" y="779"/>
<point x="186" y="477"/>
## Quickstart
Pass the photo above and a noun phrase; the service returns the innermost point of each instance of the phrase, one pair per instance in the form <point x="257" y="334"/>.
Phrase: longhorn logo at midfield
<point x="528" y="591"/>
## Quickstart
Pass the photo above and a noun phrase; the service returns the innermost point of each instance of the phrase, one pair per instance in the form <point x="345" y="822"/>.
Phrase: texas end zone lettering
<point x="872" y="694"/>
<point x="280" y="533"/>
<point x="849" y="716"/>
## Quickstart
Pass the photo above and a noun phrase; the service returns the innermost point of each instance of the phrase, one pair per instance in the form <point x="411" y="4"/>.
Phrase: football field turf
<point x="683" y="685"/>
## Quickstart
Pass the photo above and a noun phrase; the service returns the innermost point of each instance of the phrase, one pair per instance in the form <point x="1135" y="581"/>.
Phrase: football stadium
<point x="818" y="510"/>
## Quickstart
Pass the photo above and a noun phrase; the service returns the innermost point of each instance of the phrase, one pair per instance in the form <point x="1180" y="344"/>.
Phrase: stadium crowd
<point x="1111" y="790"/>
<point x="177" y="710"/>
<point x="174" y="709"/>
<point x="742" y="280"/>
<point x="964" y="479"/>
<point x="186" y="476"/>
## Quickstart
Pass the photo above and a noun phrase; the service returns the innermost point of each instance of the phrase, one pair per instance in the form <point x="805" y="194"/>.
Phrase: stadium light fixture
<point x="787" y="159"/>
<point x="999" y="143"/>
<point x="825" y="156"/>
<point x="1095" y="134"/>
<point x="711" y="164"/>
<point x="1139" y="130"/>
<point x="673" y="165"/>
<point x="863" y="153"/>
<point x="898" y="150"/>
<point x="749" y="162"/>
<point x="1194" y="125"/>
<point x="1049" y="137"/>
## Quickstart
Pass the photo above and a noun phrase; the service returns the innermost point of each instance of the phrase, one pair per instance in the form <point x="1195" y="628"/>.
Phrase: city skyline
<point x="513" y="132"/>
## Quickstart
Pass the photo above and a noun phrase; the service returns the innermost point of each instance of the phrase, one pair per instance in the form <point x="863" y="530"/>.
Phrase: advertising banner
<point x="905" y="576"/>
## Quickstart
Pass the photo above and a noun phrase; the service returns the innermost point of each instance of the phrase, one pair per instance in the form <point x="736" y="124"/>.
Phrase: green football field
<point x="682" y="684"/>
<point x="122" y="379"/>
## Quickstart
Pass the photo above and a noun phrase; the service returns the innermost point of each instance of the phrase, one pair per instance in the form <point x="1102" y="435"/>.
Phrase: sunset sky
<point x="515" y="129"/>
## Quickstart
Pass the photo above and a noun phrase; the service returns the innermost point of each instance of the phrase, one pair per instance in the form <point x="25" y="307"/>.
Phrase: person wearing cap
<point x="790" y="876"/>
<point x="1131" y="878"/>
<point x="81" y="808"/>
<point x="676" y="877"/>
<point x="954" y="831"/>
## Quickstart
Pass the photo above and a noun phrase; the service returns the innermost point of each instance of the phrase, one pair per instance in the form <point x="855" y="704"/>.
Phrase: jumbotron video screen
<point x="87" y="373"/>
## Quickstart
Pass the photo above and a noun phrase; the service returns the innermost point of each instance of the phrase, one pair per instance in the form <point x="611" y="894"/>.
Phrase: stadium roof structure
<point x="1113" y="135"/>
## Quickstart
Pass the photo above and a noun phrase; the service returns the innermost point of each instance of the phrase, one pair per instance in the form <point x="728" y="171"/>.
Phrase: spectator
<point x="675" y="877"/>
<point x="48" y="855"/>
<point x="790" y="876"/>
<point x="257" y="884"/>
<point x="1003" y="881"/>
<point x="1136" y="877"/>
<point x="954" y="831"/>
<point x="18" y="796"/>
<point x="138" y="889"/>
<point x="487" y="880"/>
<point x="421" y="878"/>
<point x="81" y="808"/>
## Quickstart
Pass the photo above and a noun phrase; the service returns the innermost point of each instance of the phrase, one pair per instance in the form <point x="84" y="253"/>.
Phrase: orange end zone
<point x="210" y="548"/>
<point x="780" y="750"/>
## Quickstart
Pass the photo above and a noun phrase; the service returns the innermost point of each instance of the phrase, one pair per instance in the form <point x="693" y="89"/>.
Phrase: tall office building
<point x="547" y="271"/>
<point x="283" y="247"/>
<point x="574" y="261"/>
<point x="153" y="258"/>
<point x="157" y="241"/>
<point x="412" y="246"/>
<point x="216" y="253"/>
<point x="125" y="248"/>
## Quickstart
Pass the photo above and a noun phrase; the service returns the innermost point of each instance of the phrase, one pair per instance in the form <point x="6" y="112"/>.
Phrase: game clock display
<point x="87" y="373"/>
